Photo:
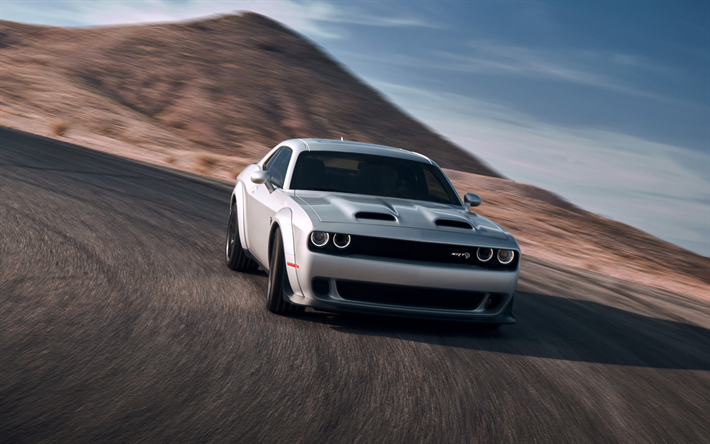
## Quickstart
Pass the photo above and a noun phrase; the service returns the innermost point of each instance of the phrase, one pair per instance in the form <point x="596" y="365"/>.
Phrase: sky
<point x="606" y="103"/>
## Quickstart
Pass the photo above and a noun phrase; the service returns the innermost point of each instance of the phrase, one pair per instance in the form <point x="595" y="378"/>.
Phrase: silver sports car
<point x="346" y="226"/>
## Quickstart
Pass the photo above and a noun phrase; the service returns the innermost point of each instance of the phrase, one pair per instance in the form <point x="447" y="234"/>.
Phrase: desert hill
<point x="225" y="84"/>
<point x="211" y="96"/>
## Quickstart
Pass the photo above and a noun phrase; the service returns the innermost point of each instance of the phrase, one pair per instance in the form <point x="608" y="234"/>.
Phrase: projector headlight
<point x="505" y="256"/>
<point x="319" y="238"/>
<point x="341" y="240"/>
<point x="484" y="254"/>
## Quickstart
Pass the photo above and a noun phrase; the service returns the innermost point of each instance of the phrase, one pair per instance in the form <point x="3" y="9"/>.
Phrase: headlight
<point x="484" y="254"/>
<point x="505" y="256"/>
<point x="319" y="238"/>
<point x="341" y="240"/>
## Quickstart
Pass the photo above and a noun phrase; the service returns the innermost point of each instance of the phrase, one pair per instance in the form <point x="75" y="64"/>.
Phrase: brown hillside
<point x="224" y="84"/>
<point x="212" y="96"/>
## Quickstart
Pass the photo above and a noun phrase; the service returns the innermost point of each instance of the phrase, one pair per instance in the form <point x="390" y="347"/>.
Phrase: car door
<point x="262" y="205"/>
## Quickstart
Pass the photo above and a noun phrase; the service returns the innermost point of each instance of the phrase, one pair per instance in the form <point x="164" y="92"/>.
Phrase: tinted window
<point x="278" y="165"/>
<point x="372" y="175"/>
<point x="271" y="159"/>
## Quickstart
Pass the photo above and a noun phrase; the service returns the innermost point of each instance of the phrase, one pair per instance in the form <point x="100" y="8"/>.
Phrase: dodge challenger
<point x="354" y="227"/>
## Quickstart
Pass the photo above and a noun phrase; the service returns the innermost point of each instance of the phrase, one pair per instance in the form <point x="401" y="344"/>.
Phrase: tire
<point x="235" y="256"/>
<point x="275" y="299"/>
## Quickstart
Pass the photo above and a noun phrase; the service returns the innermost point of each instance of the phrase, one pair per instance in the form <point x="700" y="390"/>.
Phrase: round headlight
<point x="484" y="254"/>
<point x="319" y="238"/>
<point x="505" y="256"/>
<point x="341" y="240"/>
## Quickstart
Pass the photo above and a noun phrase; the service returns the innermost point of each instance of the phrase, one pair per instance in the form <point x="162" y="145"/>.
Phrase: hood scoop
<point x="375" y="216"/>
<point x="453" y="224"/>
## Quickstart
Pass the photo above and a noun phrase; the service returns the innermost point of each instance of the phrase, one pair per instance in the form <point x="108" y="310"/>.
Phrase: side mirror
<point x="472" y="200"/>
<point x="259" y="177"/>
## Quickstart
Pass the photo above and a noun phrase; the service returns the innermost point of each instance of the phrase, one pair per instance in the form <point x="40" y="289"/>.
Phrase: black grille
<point x="413" y="296"/>
<point x="320" y="285"/>
<point x="494" y="300"/>
<point x="415" y="251"/>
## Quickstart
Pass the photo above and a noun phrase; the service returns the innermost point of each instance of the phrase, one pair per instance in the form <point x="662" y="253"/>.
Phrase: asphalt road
<point x="120" y="322"/>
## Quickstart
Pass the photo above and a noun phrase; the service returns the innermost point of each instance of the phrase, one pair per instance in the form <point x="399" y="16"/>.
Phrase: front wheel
<point x="235" y="257"/>
<point x="275" y="298"/>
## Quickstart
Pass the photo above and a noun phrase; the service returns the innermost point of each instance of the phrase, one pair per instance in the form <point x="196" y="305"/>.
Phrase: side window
<point x="278" y="165"/>
<point x="271" y="159"/>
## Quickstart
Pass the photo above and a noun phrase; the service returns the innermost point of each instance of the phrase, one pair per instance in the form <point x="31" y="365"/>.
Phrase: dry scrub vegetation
<point x="214" y="95"/>
<point x="59" y="127"/>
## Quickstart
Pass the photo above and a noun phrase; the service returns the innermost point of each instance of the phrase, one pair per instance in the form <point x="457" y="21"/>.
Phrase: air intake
<point x="453" y="224"/>
<point x="375" y="216"/>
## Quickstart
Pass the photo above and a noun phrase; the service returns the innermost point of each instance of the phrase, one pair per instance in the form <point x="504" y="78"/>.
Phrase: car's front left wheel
<point x="275" y="300"/>
<point x="235" y="256"/>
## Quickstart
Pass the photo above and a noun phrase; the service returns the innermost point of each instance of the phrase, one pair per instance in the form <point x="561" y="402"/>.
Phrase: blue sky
<point x="605" y="103"/>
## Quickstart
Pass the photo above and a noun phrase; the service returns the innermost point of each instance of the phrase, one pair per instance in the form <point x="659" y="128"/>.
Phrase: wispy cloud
<point x="598" y="69"/>
<point x="642" y="183"/>
<point x="315" y="19"/>
<point x="592" y="68"/>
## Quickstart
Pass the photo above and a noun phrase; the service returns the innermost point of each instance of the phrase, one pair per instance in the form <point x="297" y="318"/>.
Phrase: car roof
<point x="347" y="146"/>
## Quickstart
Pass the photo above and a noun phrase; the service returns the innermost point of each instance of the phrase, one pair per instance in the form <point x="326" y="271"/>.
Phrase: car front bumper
<point x="404" y="273"/>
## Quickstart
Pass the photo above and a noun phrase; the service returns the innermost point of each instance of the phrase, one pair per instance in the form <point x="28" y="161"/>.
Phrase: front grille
<point x="415" y="251"/>
<point x="411" y="296"/>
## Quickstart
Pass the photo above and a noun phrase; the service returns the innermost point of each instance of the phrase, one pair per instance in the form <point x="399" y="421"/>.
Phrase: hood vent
<point x="374" y="216"/>
<point x="453" y="224"/>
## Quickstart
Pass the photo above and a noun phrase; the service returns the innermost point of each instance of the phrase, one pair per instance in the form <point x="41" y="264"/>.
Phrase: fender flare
<point x="241" y="214"/>
<point x="282" y="220"/>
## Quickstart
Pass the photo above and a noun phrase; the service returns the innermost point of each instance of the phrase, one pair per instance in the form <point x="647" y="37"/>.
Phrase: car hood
<point x="349" y="208"/>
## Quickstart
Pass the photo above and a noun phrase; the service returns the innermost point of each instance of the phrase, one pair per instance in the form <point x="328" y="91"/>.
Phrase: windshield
<point x="372" y="175"/>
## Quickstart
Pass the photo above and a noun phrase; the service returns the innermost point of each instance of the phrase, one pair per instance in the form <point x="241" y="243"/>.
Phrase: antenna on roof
<point x="341" y="138"/>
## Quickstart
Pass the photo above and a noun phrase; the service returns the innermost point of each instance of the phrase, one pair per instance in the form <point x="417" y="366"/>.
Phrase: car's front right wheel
<point x="235" y="257"/>
<point x="275" y="300"/>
